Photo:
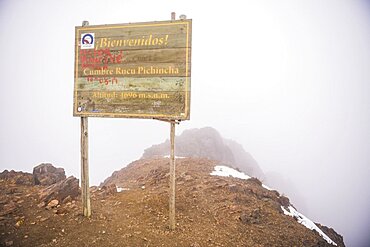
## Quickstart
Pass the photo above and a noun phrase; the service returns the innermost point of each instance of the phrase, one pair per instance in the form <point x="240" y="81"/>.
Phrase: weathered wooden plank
<point x="154" y="84"/>
<point x="134" y="36"/>
<point x="135" y="30"/>
<point x="133" y="70"/>
<point x="164" y="103"/>
<point x="91" y="58"/>
<point x="90" y="100"/>
<point x="139" y="70"/>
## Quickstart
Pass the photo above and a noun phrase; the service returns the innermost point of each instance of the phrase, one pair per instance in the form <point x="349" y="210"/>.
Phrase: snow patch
<point x="119" y="189"/>
<point x="266" y="187"/>
<point x="226" y="171"/>
<point x="306" y="222"/>
<point x="176" y="157"/>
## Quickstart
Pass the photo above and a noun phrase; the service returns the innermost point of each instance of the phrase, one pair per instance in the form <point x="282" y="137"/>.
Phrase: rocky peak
<point x="208" y="143"/>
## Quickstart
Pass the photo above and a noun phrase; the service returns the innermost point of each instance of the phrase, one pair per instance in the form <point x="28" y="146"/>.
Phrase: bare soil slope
<point x="210" y="211"/>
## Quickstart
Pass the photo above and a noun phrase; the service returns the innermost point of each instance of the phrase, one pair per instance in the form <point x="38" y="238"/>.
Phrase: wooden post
<point x="85" y="188"/>
<point x="172" y="168"/>
<point x="85" y="192"/>
<point x="172" y="178"/>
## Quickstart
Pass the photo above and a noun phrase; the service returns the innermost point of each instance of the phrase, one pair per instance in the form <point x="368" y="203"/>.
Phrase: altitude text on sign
<point x="139" y="70"/>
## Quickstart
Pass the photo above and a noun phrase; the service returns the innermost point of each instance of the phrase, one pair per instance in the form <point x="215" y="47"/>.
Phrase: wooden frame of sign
<point x="135" y="70"/>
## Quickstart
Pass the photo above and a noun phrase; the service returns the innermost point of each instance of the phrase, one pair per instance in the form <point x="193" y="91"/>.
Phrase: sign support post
<point x="172" y="178"/>
<point x="85" y="188"/>
<point x="85" y="192"/>
<point x="172" y="194"/>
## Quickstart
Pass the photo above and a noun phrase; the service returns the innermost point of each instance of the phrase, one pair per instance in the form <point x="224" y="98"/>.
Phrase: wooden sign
<point x="136" y="70"/>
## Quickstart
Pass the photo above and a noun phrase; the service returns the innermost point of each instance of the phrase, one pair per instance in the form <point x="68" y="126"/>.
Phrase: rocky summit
<point x="131" y="209"/>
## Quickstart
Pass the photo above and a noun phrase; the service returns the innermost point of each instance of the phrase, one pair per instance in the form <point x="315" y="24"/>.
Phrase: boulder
<point x="68" y="187"/>
<point x="47" y="174"/>
<point x="52" y="204"/>
<point x="284" y="201"/>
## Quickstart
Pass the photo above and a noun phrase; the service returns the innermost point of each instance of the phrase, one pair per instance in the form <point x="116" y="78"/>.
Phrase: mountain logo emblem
<point x="87" y="41"/>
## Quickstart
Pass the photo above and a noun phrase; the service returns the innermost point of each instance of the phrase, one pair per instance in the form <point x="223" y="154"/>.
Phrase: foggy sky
<point x="289" y="80"/>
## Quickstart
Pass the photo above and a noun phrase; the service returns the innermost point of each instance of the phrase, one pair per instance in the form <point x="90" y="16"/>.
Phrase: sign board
<point x="135" y="70"/>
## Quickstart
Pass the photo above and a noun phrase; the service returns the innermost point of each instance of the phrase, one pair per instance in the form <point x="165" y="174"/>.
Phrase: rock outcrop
<point x="68" y="187"/>
<point x="333" y="235"/>
<point x="20" y="178"/>
<point x="47" y="174"/>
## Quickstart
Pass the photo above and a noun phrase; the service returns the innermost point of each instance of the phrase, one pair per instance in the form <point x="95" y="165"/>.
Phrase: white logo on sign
<point x="87" y="41"/>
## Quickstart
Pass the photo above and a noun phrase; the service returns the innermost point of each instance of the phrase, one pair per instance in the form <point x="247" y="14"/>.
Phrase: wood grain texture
<point x="85" y="191"/>
<point x="134" y="70"/>
<point x="144" y="56"/>
<point x="139" y="70"/>
<point x="155" y="84"/>
<point x="172" y="198"/>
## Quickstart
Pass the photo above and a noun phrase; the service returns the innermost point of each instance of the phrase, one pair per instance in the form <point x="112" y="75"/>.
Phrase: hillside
<point x="208" y="143"/>
<point x="211" y="210"/>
